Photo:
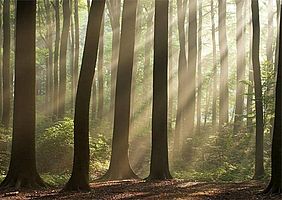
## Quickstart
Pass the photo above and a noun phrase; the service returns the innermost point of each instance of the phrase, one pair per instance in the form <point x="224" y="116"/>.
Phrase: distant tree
<point x="275" y="185"/>
<point x="76" y="45"/>
<point x="114" y="7"/>
<point x="182" y="72"/>
<point x="119" y="164"/>
<point x="214" y="61"/>
<point x="159" y="167"/>
<point x="79" y="180"/>
<point x="199" y="72"/>
<point x="223" y="47"/>
<point x="56" y="59"/>
<point x="269" y="43"/>
<point x="241" y="66"/>
<point x="259" y="168"/>
<point x="6" y="64"/>
<point x="22" y="170"/>
<point x="190" y="103"/>
<point x="100" y="73"/>
<point x="63" y="58"/>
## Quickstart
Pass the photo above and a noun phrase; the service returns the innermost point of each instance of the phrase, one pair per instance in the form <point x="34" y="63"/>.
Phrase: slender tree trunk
<point x="63" y="58"/>
<point x="1" y="59"/>
<point x="223" y="47"/>
<point x="241" y="67"/>
<point x="80" y="173"/>
<point x="100" y="73"/>
<point x="6" y="65"/>
<point x="72" y="50"/>
<point x="56" y="59"/>
<point x="277" y="38"/>
<point x="94" y="99"/>
<point x="119" y="164"/>
<point x="182" y="72"/>
<point x="114" y="7"/>
<point x="22" y="170"/>
<point x="259" y="168"/>
<point x="159" y="167"/>
<point x="215" y="76"/>
<point x="199" y="95"/>
<point x="192" y="62"/>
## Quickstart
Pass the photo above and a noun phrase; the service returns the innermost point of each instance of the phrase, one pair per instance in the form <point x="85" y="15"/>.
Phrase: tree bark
<point x="223" y="47"/>
<point x="63" y="58"/>
<point x="22" y="170"/>
<point x="80" y="173"/>
<point x="241" y="67"/>
<point x="159" y="167"/>
<point x="259" y="168"/>
<point x="119" y="164"/>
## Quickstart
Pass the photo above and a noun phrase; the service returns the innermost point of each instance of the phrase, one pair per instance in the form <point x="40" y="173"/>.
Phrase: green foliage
<point x="5" y="146"/>
<point x="55" y="152"/>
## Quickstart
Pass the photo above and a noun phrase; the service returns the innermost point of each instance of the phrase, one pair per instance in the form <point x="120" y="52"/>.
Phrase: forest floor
<point x="175" y="189"/>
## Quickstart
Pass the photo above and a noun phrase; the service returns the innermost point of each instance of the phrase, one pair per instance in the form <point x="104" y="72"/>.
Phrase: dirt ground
<point x="175" y="189"/>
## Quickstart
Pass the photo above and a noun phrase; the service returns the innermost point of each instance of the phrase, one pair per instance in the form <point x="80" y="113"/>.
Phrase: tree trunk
<point x="215" y="74"/>
<point x="241" y="67"/>
<point x="6" y="65"/>
<point x="72" y="50"/>
<point x="119" y="164"/>
<point x="114" y="7"/>
<point x="76" y="46"/>
<point x="192" y="62"/>
<point x="223" y="47"/>
<point x="1" y="57"/>
<point x="63" y="58"/>
<point x="159" y="167"/>
<point x="182" y="80"/>
<point x="275" y="185"/>
<point x="269" y="43"/>
<point x="100" y="73"/>
<point x="80" y="174"/>
<point x="259" y="168"/>
<point x="56" y="59"/>
<point x="199" y="95"/>
<point x="22" y="170"/>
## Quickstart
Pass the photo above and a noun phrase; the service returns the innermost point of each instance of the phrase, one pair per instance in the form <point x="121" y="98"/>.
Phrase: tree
<point x="182" y="72"/>
<point x="214" y="61"/>
<point x="275" y="185"/>
<point x="114" y="7"/>
<point x="241" y="66"/>
<point x="223" y="47"/>
<point x="22" y="170"/>
<point x="6" y="65"/>
<point x="80" y="173"/>
<point x="119" y="163"/>
<point x="76" y="45"/>
<point x="259" y="168"/>
<point x="199" y="73"/>
<point x="192" y="62"/>
<point x="63" y="59"/>
<point x="159" y="167"/>
<point x="100" y="73"/>
<point x="269" y="43"/>
<point x="56" y="59"/>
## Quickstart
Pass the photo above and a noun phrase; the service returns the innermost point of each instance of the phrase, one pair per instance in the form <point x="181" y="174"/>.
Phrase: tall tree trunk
<point x="199" y="95"/>
<point x="56" y="59"/>
<point x="182" y="72"/>
<point x="223" y="47"/>
<point x="50" y="65"/>
<point x="119" y="164"/>
<point x="277" y="38"/>
<point x="72" y="50"/>
<point x="275" y="185"/>
<point x="259" y="168"/>
<point x="22" y="170"/>
<point x="1" y="57"/>
<point x="215" y="74"/>
<point x="63" y="58"/>
<point x="114" y="7"/>
<point x="159" y="167"/>
<point x="241" y="67"/>
<point x="6" y="65"/>
<point x="80" y="173"/>
<point x="192" y="62"/>
<point x="100" y="73"/>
